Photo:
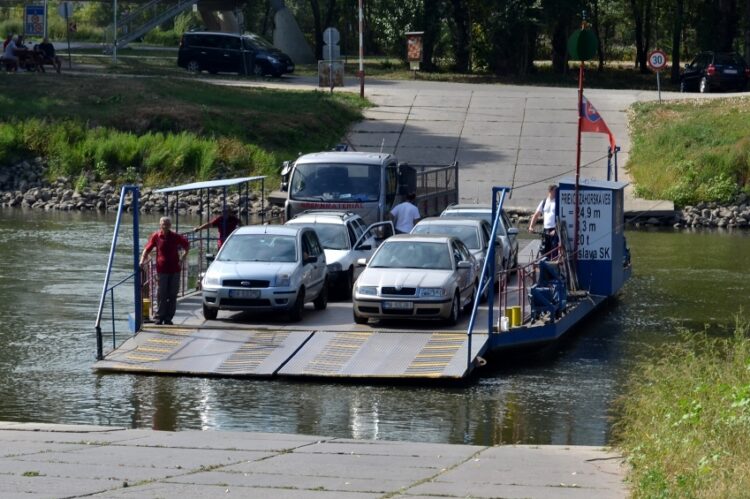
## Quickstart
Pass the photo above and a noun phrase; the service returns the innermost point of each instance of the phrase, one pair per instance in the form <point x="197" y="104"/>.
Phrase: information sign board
<point x="594" y="222"/>
<point x="34" y="20"/>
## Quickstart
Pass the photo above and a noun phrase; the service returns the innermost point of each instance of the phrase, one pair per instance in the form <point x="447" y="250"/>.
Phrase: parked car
<point x="417" y="277"/>
<point x="267" y="268"/>
<point x="217" y="52"/>
<point x="711" y="71"/>
<point x="345" y="239"/>
<point x="505" y="231"/>
<point x="473" y="232"/>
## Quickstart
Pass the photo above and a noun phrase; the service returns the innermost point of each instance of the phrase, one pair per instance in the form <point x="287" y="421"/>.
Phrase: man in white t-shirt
<point x="547" y="209"/>
<point x="405" y="215"/>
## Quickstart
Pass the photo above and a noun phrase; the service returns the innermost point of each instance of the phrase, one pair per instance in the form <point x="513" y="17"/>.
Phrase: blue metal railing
<point x="487" y="277"/>
<point x="136" y="275"/>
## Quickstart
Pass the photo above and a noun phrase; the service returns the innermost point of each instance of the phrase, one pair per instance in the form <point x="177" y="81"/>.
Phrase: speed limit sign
<point x="657" y="60"/>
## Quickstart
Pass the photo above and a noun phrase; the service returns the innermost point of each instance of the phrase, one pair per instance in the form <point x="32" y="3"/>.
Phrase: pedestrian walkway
<point x="55" y="460"/>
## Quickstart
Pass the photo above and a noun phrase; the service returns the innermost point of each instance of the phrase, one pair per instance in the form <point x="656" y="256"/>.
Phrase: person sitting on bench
<point x="10" y="59"/>
<point x="47" y="54"/>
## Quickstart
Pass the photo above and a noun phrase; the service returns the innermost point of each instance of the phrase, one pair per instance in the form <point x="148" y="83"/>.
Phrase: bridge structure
<point x="217" y="15"/>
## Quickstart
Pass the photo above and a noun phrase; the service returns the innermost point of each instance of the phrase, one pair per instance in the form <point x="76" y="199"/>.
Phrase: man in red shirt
<point x="168" y="260"/>
<point x="225" y="223"/>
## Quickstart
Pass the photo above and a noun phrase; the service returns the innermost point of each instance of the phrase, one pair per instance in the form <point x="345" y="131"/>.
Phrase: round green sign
<point x="582" y="45"/>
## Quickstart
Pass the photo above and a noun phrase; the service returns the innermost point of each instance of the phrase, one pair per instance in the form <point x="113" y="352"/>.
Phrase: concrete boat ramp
<point x="325" y="344"/>
<point x="45" y="460"/>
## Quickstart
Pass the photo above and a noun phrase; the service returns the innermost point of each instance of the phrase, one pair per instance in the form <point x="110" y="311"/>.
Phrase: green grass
<point x="165" y="128"/>
<point x="684" y="419"/>
<point x="691" y="151"/>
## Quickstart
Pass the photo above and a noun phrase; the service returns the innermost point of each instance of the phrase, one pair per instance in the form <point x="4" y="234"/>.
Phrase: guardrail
<point x="107" y="289"/>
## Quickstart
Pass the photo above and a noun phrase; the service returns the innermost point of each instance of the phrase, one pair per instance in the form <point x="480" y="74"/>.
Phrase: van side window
<point x="231" y="43"/>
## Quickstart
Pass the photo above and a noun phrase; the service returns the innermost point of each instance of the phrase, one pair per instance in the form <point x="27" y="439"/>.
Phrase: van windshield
<point x="335" y="182"/>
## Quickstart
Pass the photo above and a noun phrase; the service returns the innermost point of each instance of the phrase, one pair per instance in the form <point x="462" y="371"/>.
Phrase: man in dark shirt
<point x="168" y="260"/>
<point x="47" y="51"/>
<point x="225" y="223"/>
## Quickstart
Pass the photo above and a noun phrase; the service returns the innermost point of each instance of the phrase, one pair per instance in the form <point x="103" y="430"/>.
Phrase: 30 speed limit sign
<point x="657" y="60"/>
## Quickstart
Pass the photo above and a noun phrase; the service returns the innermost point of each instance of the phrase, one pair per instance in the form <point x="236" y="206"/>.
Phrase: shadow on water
<point x="52" y="276"/>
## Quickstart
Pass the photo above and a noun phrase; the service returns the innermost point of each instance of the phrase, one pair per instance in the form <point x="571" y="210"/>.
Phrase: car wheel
<point x="704" y="87"/>
<point x="358" y="318"/>
<point x="321" y="302"/>
<point x="295" y="313"/>
<point x="452" y="319"/>
<point x="346" y="292"/>
<point x="258" y="70"/>
<point x="276" y="74"/>
<point x="193" y="67"/>
<point x="209" y="313"/>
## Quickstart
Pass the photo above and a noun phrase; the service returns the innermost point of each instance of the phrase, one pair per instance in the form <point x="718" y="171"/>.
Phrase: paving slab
<point x="187" y="464"/>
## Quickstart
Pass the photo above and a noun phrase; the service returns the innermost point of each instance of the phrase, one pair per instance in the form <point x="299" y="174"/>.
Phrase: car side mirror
<point x="463" y="264"/>
<point x="512" y="231"/>
<point x="361" y="262"/>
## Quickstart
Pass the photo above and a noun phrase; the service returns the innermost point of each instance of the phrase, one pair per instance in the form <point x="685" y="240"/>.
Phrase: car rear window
<point x="729" y="59"/>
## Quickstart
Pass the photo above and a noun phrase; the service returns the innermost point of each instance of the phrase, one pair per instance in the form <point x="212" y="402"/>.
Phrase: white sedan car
<point x="417" y="277"/>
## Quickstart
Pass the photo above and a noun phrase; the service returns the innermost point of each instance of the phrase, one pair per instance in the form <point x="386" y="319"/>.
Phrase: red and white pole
<point x="361" y="52"/>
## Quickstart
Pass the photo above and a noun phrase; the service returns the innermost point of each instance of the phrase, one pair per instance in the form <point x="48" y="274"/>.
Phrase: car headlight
<point x="431" y="292"/>
<point x="367" y="290"/>
<point x="284" y="280"/>
<point x="334" y="267"/>
<point x="211" y="281"/>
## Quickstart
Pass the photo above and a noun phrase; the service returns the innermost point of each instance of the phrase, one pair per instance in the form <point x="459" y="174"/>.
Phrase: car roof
<point x="469" y="207"/>
<point x="277" y="230"/>
<point x="421" y="238"/>
<point x="451" y="221"/>
<point x="330" y="217"/>
<point x="368" y="158"/>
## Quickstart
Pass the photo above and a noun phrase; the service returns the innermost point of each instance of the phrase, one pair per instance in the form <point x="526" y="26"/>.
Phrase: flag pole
<point x="578" y="152"/>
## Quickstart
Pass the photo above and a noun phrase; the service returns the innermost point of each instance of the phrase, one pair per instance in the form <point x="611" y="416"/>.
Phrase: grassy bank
<point x="165" y="128"/>
<point x="691" y="151"/>
<point x="684" y="420"/>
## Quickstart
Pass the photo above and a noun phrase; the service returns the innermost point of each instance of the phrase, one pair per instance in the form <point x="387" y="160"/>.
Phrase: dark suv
<point x="711" y="71"/>
<point x="231" y="53"/>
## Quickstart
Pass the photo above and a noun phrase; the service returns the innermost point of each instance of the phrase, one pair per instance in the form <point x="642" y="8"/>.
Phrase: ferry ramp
<point x="325" y="344"/>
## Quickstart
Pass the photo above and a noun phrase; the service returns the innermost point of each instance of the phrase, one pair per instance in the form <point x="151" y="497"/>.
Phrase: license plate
<point x="398" y="305"/>
<point x="730" y="71"/>
<point x="244" y="293"/>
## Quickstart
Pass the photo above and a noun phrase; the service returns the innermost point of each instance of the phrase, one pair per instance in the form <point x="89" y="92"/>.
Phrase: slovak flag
<point x="592" y="122"/>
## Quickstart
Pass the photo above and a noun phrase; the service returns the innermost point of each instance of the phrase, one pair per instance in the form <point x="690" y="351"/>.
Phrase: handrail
<point x="110" y="260"/>
<point x="489" y="261"/>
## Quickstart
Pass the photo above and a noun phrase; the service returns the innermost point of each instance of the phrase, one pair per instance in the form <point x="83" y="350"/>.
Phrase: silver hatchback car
<point x="417" y="277"/>
<point x="267" y="268"/>
<point x="474" y="233"/>
<point x="505" y="231"/>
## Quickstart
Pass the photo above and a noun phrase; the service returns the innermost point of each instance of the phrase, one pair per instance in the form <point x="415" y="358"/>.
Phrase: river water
<point x="51" y="276"/>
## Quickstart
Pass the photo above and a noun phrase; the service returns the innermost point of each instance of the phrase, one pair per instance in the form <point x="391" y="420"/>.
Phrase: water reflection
<point x="51" y="279"/>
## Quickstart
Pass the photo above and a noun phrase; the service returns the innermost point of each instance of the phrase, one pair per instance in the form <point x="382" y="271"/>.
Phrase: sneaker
<point x="159" y="322"/>
<point x="168" y="323"/>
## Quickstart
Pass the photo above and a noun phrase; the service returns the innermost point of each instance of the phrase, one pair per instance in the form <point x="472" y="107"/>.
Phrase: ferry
<point x="544" y="298"/>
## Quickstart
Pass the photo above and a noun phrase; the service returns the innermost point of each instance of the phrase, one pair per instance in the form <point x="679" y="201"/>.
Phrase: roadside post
<point x="65" y="9"/>
<point x="657" y="60"/>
